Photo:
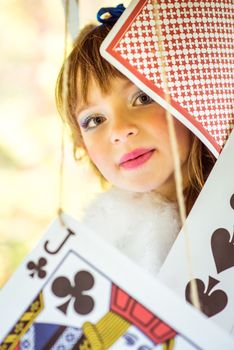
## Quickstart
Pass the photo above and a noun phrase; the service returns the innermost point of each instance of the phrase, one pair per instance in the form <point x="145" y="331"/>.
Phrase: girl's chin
<point x="165" y="188"/>
<point x="137" y="187"/>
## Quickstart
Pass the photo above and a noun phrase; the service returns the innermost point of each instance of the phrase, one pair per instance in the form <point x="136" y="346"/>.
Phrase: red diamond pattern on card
<point x="198" y="50"/>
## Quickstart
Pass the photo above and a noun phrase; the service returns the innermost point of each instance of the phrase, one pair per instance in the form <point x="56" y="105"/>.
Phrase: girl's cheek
<point x="88" y="145"/>
<point x="95" y="149"/>
<point x="94" y="155"/>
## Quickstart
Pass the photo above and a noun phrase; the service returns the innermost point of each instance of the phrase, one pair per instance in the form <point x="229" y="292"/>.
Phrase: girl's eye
<point x="92" y="121"/>
<point x="142" y="99"/>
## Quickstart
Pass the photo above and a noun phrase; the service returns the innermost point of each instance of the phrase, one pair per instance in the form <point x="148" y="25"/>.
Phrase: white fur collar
<point x="142" y="225"/>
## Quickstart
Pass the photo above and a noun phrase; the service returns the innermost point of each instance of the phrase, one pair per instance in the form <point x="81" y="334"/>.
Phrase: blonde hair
<point x="85" y="63"/>
<point x="200" y="164"/>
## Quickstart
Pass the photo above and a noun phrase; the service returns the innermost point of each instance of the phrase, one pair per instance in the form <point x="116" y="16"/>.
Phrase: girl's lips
<point x="136" y="158"/>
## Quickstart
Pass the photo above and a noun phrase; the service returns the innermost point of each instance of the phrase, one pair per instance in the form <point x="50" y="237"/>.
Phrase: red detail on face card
<point x="160" y="330"/>
<point x="139" y="316"/>
<point x="122" y="299"/>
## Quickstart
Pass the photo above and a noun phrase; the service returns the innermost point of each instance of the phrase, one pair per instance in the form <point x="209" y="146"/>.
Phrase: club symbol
<point x="37" y="268"/>
<point x="83" y="280"/>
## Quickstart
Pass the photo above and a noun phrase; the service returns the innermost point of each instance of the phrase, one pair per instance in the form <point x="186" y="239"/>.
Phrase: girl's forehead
<point x="115" y="85"/>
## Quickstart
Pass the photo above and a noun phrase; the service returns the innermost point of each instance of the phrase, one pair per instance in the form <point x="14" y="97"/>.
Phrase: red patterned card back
<point x="198" y="57"/>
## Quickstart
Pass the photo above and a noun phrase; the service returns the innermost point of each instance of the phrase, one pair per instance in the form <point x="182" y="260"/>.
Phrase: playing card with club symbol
<point x="74" y="291"/>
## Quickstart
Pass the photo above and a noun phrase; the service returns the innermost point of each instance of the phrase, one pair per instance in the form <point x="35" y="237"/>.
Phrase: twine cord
<point x="64" y="104"/>
<point x="176" y="160"/>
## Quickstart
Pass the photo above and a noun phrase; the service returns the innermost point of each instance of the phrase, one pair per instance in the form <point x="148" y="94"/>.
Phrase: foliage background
<point x="32" y="37"/>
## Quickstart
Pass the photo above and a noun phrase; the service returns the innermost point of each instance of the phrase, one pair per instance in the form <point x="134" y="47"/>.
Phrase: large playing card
<point x="76" y="292"/>
<point x="211" y="243"/>
<point x="188" y="47"/>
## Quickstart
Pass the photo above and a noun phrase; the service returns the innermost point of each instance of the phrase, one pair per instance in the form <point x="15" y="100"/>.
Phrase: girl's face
<point x="126" y="136"/>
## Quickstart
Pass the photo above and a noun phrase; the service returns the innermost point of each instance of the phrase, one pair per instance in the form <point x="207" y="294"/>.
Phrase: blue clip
<point x="110" y="14"/>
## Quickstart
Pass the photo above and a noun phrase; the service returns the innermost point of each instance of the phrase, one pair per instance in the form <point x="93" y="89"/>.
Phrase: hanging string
<point x="176" y="159"/>
<point x="64" y="95"/>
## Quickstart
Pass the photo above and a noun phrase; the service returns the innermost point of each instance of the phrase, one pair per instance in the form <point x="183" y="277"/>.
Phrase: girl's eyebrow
<point x="127" y="83"/>
<point x="83" y="107"/>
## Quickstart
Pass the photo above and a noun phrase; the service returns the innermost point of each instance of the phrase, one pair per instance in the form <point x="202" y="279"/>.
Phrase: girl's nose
<point x="122" y="132"/>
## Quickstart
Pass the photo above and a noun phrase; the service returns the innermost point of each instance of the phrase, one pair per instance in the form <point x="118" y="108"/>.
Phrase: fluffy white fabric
<point x="142" y="225"/>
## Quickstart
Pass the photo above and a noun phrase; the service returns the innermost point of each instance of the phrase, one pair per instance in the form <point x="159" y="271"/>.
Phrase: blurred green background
<point x="32" y="39"/>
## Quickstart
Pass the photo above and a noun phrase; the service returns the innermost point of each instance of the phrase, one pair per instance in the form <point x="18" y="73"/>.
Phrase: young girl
<point x="125" y="135"/>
